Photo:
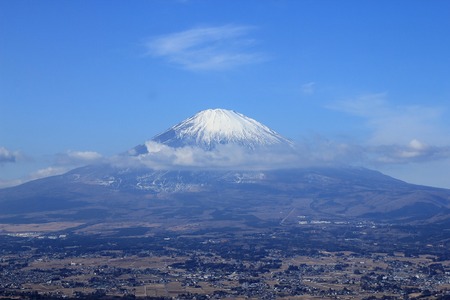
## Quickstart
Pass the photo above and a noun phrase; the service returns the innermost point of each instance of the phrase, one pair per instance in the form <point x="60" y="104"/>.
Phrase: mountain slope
<point x="330" y="193"/>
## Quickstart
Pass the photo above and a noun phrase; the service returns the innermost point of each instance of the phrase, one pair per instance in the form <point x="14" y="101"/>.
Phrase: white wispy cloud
<point x="317" y="152"/>
<point x="308" y="88"/>
<point x="46" y="172"/>
<point x="56" y="165"/>
<point x="399" y="133"/>
<point x="38" y="174"/>
<point x="8" y="156"/>
<point x="4" y="183"/>
<point x="84" y="155"/>
<point x="207" y="48"/>
<point x="414" y="151"/>
<point x="395" y="124"/>
<point x="225" y="156"/>
<point x="77" y="157"/>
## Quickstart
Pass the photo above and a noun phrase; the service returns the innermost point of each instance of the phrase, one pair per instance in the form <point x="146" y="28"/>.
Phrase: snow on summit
<point x="215" y="139"/>
<point x="211" y="127"/>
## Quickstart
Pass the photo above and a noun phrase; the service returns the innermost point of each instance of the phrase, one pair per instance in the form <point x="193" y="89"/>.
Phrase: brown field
<point x="41" y="228"/>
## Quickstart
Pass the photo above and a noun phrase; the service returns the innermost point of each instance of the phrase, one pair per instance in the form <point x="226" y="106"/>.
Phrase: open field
<point x="38" y="227"/>
<point x="288" y="261"/>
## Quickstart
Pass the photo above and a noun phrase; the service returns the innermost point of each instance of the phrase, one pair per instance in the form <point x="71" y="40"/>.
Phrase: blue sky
<point x="361" y="82"/>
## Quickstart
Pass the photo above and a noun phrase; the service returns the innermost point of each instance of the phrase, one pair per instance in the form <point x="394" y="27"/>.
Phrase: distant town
<point x="304" y="260"/>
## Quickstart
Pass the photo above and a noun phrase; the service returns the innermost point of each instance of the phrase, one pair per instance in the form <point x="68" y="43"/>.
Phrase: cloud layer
<point x="77" y="157"/>
<point x="58" y="164"/>
<point x="207" y="48"/>
<point x="414" y="151"/>
<point x="8" y="156"/>
<point x="395" y="124"/>
<point x="309" y="153"/>
<point x="225" y="156"/>
<point x="399" y="134"/>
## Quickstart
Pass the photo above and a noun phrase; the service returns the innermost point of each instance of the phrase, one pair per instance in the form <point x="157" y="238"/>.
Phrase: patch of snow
<point x="220" y="126"/>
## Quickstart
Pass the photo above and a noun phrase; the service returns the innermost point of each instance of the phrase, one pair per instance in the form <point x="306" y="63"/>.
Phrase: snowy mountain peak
<point x="211" y="127"/>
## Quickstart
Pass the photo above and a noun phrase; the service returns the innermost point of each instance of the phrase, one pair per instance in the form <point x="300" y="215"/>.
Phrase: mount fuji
<point x="213" y="127"/>
<point x="166" y="192"/>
